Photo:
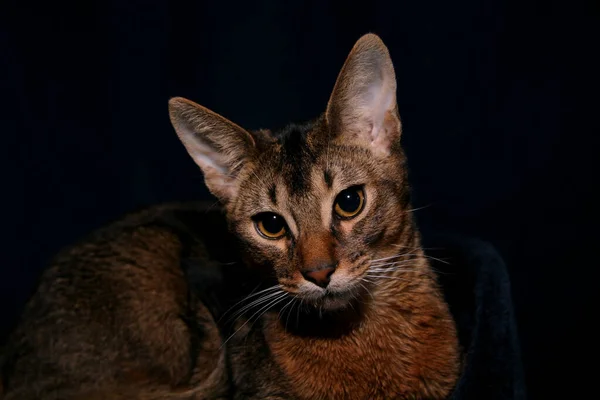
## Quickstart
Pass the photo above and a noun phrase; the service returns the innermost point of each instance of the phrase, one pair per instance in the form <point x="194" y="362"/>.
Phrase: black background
<point x="498" y="101"/>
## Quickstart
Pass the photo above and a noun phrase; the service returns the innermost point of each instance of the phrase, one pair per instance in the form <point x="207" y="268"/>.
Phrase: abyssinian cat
<point x="315" y="236"/>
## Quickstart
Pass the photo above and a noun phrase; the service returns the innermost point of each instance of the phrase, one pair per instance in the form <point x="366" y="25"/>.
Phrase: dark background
<point x="498" y="100"/>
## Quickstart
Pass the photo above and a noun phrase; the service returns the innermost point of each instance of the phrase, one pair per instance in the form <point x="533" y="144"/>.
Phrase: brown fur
<point x="110" y="318"/>
<point x="108" y="313"/>
<point x="403" y="347"/>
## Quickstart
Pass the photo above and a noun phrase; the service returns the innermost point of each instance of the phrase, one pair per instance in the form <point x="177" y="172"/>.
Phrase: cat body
<point x="320" y="289"/>
<point x="113" y="315"/>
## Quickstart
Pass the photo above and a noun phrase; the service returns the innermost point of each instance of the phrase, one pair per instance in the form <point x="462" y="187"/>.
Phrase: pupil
<point x="273" y="223"/>
<point x="349" y="201"/>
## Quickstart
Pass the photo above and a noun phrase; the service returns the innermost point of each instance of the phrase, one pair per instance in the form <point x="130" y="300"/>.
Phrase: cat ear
<point x="362" y="107"/>
<point x="217" y="145"/>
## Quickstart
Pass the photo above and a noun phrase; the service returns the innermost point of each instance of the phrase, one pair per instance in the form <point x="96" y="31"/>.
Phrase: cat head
<point x="318" y="203"/>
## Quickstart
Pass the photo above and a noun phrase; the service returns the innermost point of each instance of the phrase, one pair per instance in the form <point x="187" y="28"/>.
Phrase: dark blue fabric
<point x="477" y="287"/>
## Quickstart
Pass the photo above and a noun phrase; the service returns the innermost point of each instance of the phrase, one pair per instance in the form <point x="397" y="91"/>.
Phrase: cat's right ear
<point x="218" y="146"/>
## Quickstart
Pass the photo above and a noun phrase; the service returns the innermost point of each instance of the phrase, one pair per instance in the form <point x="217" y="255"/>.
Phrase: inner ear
<point x="362" y="107"/>
<point x="218" y="146"/>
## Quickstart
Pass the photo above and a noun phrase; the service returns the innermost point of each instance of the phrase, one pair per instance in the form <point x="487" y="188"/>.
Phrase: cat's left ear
<point x="362" y="108"/>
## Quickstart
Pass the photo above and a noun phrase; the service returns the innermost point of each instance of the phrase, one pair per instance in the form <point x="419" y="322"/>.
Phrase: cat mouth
<point x="333" y="300"/>
<point x="342" y="292"/>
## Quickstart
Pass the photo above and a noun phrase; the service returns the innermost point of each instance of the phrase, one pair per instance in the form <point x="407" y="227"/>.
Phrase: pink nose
<point x="319" y="276"/>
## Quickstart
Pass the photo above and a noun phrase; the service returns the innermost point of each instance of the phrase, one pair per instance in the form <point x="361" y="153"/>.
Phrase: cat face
<point x="318" y="214"/>
<point x="316" y="204"/>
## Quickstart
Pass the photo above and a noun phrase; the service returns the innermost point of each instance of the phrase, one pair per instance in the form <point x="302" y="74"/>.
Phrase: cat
<point x="308" y="282"/>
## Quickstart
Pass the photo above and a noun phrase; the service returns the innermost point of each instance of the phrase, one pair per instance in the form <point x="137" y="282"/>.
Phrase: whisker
<point x="376" y="264"/>
<point x="294" y="302"/>
<point x="273" y="302"/>
<point x="391" y="269"/>
<point x="298" y="312"/>
<point x="392" y="264"/>
<point x="402" y="269"/>
<point x="422" y="255"/>
<point x="266" y="308"/>
<point x="261" y="300"/>
<point x="367" y="289"/>
<point x="387" y="258"/>
<point x="284" y="307"/>
<point x="265" y="296"/>
<point x="416" y="247"/>
<point x="248" y="297"/>
<point x="353" y="297"/>
<point x="390" y="277"/>
<point x="269" y="306"/>
<point x="436" y="259"/>
<point x="417" y="208"/>
<point x="210" y="208"/>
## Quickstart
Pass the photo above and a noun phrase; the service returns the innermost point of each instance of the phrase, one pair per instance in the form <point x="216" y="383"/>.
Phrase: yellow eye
<point x="270" y="225"/>
<point x="349" y="203"/>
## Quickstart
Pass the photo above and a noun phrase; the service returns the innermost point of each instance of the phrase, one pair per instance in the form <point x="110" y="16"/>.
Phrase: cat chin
<point x="335" y="304"/>
<point x="333" y="301"/>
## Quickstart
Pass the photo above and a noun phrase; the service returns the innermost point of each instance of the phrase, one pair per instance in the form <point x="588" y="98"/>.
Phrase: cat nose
<point x="319" y="276"/>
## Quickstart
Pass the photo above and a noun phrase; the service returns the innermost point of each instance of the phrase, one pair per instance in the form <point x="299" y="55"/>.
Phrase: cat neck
<point x="400" y="340"/>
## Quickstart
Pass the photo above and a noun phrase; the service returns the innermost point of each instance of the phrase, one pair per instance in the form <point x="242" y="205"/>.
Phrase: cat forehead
<point x="299" y="170"/>
<point x="302" y="157"/>
<point x="298" y="155"/>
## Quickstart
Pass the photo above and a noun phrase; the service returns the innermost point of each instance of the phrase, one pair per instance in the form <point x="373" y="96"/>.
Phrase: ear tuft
<point x="218" y="146"/>
<point x="362" y="107"/>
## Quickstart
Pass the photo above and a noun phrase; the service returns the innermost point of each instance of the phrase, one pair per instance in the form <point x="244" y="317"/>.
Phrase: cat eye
<point x="270" y="225"/>
<point x="349" y="203"/>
